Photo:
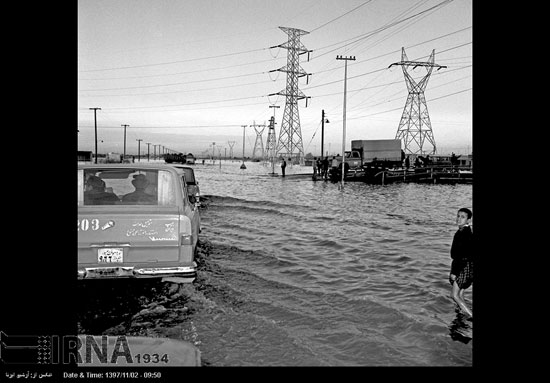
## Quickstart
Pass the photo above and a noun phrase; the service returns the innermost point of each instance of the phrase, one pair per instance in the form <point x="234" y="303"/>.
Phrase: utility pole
<point x="243" y="166"/>
<point x="274" y="107"/>
<point x="148" y="143"/>
<point x="139" y="142"/>
<point x="124" y="154"/>
<point x="95" y="125"/>
<point x="323" y="121"/>
<point x="346" y="59"/>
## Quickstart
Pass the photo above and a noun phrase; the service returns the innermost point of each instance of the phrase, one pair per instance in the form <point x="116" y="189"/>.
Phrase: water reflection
<point x="461" y="327"/>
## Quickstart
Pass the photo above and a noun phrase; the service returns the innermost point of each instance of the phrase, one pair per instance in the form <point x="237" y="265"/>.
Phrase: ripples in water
<point x="352" y="277"/>
<point x="296" y="272"/>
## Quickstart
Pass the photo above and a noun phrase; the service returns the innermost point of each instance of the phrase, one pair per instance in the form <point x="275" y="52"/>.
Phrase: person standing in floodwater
<point x="283" y="167"/>
<point x="325" y="168"/>
<point x="314" y="166"/>
<point x="462" y="253"/>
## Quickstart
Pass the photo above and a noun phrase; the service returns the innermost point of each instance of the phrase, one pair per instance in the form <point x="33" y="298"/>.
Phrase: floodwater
<point x="296" y="272"/>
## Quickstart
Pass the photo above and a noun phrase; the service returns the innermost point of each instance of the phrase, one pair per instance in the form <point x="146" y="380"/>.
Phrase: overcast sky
<point x="187" y="73"/>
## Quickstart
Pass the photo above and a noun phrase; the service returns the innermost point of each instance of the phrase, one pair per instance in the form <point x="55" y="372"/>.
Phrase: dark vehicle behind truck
<point x="178" y="158"/>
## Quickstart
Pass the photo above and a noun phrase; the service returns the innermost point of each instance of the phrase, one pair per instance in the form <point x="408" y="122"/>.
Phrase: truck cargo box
<point x="387" y="149"/>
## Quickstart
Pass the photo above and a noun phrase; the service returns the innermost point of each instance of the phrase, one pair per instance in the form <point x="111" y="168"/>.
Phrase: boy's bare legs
<point x="458" y="296"/>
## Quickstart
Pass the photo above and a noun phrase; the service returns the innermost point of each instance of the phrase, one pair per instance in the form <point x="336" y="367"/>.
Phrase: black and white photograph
<point x="260" y="184"/>
<point x="281" y="183"/>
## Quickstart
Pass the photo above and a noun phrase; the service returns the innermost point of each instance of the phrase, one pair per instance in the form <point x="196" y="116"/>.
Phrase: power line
<point x="336" y="18"/>
<point x="257" y="73"/>
<point x="192" y="103"/>
<point x="189" y="109"/>
<point x="177" y="73"/>
<point x="224" y="36"/>
<point x="362" y="36"/>
<point x="180" y="91"/>
<point x="398" y="30"/>
<point x="175" y="83"/>
<point x="167" y="127"/>
<point x="412" y="46"/>
<point x="237" y="85"/>
<point x="378" y="30"/>
<point x="175" y="62"/>
<point x="398" y="50"/>
<point x="401" y="108"/>
<point x="237" y="125"/>
<point x="259" y="103"/>
<point x="389" y="99"/>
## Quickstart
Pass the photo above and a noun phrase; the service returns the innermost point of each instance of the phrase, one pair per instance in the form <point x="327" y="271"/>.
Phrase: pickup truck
<point x="352" y="158"/>
<point x="136" y="221"/>
<point x="191" y="181"/>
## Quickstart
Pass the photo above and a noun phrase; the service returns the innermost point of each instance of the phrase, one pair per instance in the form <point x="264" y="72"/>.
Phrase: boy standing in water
<point x="462" y="266"/>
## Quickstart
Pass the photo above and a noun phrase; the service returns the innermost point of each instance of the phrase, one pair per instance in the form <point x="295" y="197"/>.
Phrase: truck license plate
<point x="112" y="255"/>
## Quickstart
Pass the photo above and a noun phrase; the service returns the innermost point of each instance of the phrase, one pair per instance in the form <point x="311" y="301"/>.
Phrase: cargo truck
<point x="353" y="159"/>
<point x="364" y="152"/>
<point x="387" y="151"/>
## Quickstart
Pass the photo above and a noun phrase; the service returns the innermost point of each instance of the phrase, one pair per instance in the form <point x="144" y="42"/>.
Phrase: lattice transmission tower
<point x="415" y="127"/>
<point x="271" y="145"/>
<point x="231" y="144"/>
<point x="290" y="142"/>
<point x="259" y="143"/>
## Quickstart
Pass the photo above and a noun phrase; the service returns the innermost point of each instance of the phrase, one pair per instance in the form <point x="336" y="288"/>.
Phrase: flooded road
<point x="299" y="273"/>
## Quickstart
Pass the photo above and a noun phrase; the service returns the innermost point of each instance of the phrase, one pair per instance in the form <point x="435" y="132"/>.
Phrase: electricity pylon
<point x="231" y="143"/>
<point x="271" y="145"/>
<point x="415" y="127"/>
<point x="290" y="136"/>
<point x="258" y="144"/>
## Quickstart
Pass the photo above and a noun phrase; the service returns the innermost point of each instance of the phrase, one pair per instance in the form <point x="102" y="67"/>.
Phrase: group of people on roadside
<point x="321" y="166"/>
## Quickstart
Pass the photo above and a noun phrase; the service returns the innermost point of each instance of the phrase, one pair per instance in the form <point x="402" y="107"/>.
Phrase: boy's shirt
<point x="461" y="249"/>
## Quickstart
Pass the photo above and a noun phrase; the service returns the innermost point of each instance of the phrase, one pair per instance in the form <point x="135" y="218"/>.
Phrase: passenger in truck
<point x="95" y="193"/>
<point x="139" y="196"/>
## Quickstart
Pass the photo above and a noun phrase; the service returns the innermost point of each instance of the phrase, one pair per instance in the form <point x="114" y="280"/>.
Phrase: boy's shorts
<point x="466" y="276"/>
